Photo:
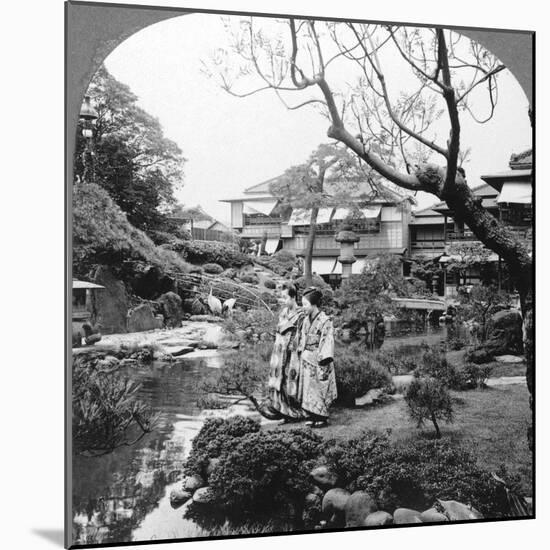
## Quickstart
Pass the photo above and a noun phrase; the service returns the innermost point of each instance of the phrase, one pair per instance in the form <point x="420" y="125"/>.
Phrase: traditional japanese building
<point x="379" y="216"/>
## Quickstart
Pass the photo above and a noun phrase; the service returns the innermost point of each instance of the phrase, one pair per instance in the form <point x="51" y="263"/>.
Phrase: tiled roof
<point x="521" y="160"/>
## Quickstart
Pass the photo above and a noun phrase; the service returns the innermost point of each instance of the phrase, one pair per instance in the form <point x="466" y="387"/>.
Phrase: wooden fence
<point x="213" y="235"/>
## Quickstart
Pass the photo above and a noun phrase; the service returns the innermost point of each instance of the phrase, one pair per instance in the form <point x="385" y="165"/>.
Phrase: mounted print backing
<point x="300" y="262"/>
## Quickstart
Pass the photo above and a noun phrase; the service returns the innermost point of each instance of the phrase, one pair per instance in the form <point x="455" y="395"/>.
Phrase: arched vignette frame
<point x="94" y="29"/>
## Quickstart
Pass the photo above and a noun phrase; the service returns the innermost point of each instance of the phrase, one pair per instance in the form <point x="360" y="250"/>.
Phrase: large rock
<point x="406" y="516"/>
<point x="334" y="505"/>
<point x="179" y="497"/>
<point x="358" y="506"/>
<point x="170" y="304"/>
<point x="111" y="301"/>
<point x="456" y="511"/>
<point x="433" y="516"/>
<point x="323" y="477"/>
<point x="378" y="518"/>
<point x="192" y="483"/>
<point x="142" y="318"/>
<point x="505" y="333"/>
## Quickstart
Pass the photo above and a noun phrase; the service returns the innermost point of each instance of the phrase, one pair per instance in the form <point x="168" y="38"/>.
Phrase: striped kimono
<point x="317" y="377"/>
<point x="284" y="379"/>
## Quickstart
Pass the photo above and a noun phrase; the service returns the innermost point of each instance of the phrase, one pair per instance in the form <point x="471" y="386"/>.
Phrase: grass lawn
<point x="498" y="369"/>
<point x="492" y="423"/>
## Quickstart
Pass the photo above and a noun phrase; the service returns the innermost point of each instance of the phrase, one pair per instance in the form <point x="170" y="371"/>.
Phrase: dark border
<point x="68" y="287"/>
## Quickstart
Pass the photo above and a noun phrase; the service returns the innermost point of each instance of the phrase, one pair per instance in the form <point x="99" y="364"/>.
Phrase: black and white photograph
<point x="300" y="274"/>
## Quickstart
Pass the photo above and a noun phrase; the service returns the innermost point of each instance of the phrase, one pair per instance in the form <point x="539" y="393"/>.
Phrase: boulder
<point x="111" y="302"/>
<point x="142" y="318"/>
<point x="323" y="477"/>
<point x="369" y="398"/>
<point x="192" y="483"/>
<point x="203" y="496"/>
<point x="171" y="307"/>
<point x="505" y="333"/>
<point x="378" y="518"/>
<point x="406" y="516"/>
<point x="432" y="516"/>
<point x="334" y="502"/>
<point x="456" y="511"/>
<point x="179" y="497"/>
<point x="358" y="506"/>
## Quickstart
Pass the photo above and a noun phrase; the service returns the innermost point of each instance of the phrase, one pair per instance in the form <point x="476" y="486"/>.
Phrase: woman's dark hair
<point x="313" y="295"/>
<point x="290" y="288"/>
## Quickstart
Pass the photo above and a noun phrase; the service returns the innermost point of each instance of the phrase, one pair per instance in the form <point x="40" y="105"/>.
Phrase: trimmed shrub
<point x="215" y="269"/>
<point x="414" y="475"/>
<point x="476" y="376"/>
<point x="250" y="278"/>
<point x="435" y="365"/>
<point x="350" y="459"/>
<point x="270" y="283"/>
<point x="215" y="436"/>
<point x="357" y="372"/>
<point x="265" y="471"/>
<point x="203" y="252"/>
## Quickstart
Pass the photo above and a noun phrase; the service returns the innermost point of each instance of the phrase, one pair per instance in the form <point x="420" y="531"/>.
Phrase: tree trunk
<point x="308" y="254"/>
<point x="436" y="426"/>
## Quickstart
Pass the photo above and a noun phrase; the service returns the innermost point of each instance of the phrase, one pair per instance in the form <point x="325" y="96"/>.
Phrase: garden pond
<point x="124" y="496"/>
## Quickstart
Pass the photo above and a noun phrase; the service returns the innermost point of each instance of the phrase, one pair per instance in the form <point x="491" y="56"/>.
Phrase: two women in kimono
<point x="302" y="382"/>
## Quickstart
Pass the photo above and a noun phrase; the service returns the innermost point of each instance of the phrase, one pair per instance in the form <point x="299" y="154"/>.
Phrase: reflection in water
<point x="124" y="496"/>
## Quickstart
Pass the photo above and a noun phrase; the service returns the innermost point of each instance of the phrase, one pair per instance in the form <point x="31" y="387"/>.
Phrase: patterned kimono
<point x="317" y="377"/>
<point x="284" y="375"/>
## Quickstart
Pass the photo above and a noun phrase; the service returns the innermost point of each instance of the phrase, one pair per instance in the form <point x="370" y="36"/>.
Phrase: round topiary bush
<point x="357" y="373"/>
<point x="213" y="268"/>
<point x="265" y="471"/>
<point x="215" y="436"/>
<point x="250" y="278"/>
<point x="270" y="283"/>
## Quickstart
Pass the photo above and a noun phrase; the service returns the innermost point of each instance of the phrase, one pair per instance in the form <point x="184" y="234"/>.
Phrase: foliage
<point x="215" y="436"/>
<point x="434" y="364"/>
<point x="103" y="234"/>
<point x="402" y="359"/>
<point x="250" y="278"/>
<point x="476" y="376"/>
<point x="426" y="270"/>
<point x="246" y="324"/>
<point x="136" y="164"/>
<point x="369" y="295"/>
<point x="212" y="268"/>
<point x="282" y="262"/>
<point x="270" y="283"/>
<point x="429" y="399"/>
<point x="204" y="252"/>
<point x="357" y="373"/>
<point x="244" y="374"/>
<point x="106" y="413"/>
<point x="265" y="471"/>
<point x="478" y="304"/>
<point x="352" y="458"/>
<point x="415" y="474"/>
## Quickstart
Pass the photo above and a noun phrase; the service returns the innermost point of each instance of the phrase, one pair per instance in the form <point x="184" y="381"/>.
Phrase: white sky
<point x="233" y="143"/>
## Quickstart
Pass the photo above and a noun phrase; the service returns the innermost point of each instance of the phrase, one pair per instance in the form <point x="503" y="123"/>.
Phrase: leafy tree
<point x="479" y="303"/>
<point x="313" y="185"/>
<point x="133" y="160"/>
<point x="391" y="132"/>
<point x="369" y="296"/>
<point x="429" y="399"/>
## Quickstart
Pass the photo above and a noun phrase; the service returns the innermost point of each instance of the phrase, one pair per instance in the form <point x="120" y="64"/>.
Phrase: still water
<point x="124" y="496"/>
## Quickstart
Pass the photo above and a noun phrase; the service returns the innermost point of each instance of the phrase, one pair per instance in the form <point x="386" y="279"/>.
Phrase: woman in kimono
<point x="316" y="347"/>
<point x="283" y="383"/>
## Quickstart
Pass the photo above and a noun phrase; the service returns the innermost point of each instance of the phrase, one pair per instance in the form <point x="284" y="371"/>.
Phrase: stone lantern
<point x="347" y="238"/>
